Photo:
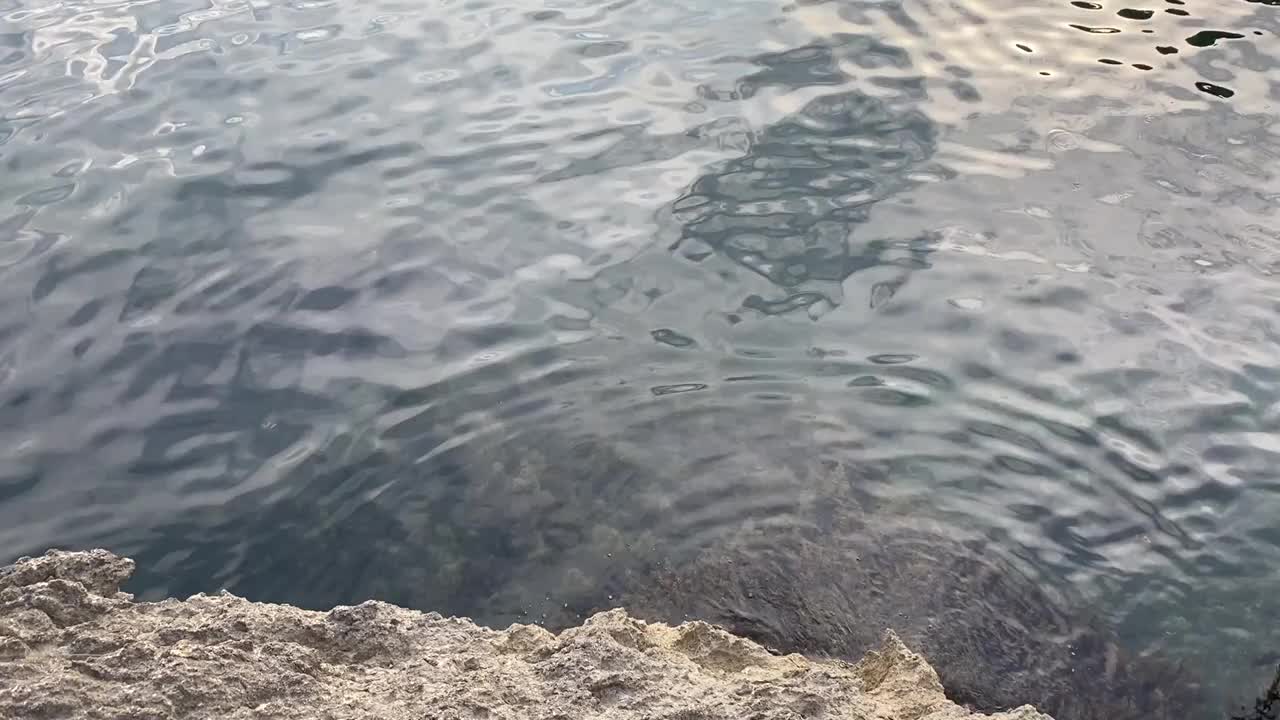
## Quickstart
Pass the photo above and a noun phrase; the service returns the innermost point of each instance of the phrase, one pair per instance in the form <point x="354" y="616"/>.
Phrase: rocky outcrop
<point x="73" y="646"/>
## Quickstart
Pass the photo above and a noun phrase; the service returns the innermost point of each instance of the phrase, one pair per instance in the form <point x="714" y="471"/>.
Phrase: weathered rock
<point x="72" y="647"/>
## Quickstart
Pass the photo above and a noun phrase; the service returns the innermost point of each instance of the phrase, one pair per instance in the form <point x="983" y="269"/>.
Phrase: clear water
<point x="458" y="304"/>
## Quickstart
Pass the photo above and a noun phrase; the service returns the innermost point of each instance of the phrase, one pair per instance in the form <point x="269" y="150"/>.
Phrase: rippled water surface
<point x="460" y="304"/>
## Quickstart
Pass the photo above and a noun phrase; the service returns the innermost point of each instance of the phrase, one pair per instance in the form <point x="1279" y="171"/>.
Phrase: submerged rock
<point x="997" y="636"/>
<point x="552" y="528"/>
<point x="73" y="646"/>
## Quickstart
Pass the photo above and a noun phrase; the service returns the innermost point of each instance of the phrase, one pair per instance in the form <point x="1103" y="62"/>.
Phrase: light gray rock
<point x="73" y="647"/>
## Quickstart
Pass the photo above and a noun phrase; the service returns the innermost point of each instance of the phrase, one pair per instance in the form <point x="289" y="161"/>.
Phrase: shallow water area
<point x="471" y="305"/>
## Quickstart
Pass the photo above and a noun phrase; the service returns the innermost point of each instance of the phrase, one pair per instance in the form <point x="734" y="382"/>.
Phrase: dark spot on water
<point x="1148" y="31"/>
<point x="1142" y="66"/>
<point x="667" y="336"/>
<point x="1135" y="14"/>
<point x="604" y="49"/>
<point x="964" y="92"/>
<point x="1097" y="30"/>
<point x="889" y="397"/>
<point x="1109" y="61"/>
<point x="1216" y="90"/>
<point x="891" y="358"/>
<point x="1179" y="13"/>
<point x="1206" y="38"/>
<point x="1022" y="47"/>
<point x="85" y="314"/>
<point x="326" y="298"/>
<point x="1086" y="5"/>
<point x="1166" y="49"/>
<point x="677" y="389"/>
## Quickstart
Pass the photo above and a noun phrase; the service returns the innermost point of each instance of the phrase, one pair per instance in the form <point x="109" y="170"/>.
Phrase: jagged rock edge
<point x="72" y="645"/>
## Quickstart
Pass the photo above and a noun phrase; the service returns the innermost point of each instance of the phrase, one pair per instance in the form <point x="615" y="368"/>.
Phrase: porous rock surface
<point x="73" y="646"/>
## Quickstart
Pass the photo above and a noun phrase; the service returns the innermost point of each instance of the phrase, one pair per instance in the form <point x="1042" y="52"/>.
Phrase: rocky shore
<point x="73" y="646"/>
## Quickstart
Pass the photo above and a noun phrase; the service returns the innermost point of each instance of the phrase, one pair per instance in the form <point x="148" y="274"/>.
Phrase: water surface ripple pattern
<point x="469" y="305"/>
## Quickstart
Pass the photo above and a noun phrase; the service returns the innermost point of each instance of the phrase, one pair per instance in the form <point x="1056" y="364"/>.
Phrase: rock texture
<point x="73" y="646"/>
<point x="997" y="637"/>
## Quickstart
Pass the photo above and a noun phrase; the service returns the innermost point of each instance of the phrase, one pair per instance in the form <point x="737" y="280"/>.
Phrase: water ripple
<point x="482" y="307"/>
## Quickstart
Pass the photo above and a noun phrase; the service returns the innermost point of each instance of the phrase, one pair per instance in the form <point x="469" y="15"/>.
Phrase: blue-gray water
<point x="459" y="303"/>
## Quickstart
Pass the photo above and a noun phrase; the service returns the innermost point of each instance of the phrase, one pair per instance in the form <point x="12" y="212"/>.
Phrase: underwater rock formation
<point x="997" y="637"/>
<point x="557" y="530"/>
<point x="552" y="528"/>
<point x="73" y="646"/>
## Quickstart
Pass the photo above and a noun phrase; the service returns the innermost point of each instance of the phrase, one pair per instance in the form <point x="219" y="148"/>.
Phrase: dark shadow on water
<point x="549" y="529"/>
<point x="789" y="207"/>
<point x="998" y="637"/>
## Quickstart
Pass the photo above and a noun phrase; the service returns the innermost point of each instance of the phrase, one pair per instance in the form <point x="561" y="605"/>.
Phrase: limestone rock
<point x="73" y="647"/>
